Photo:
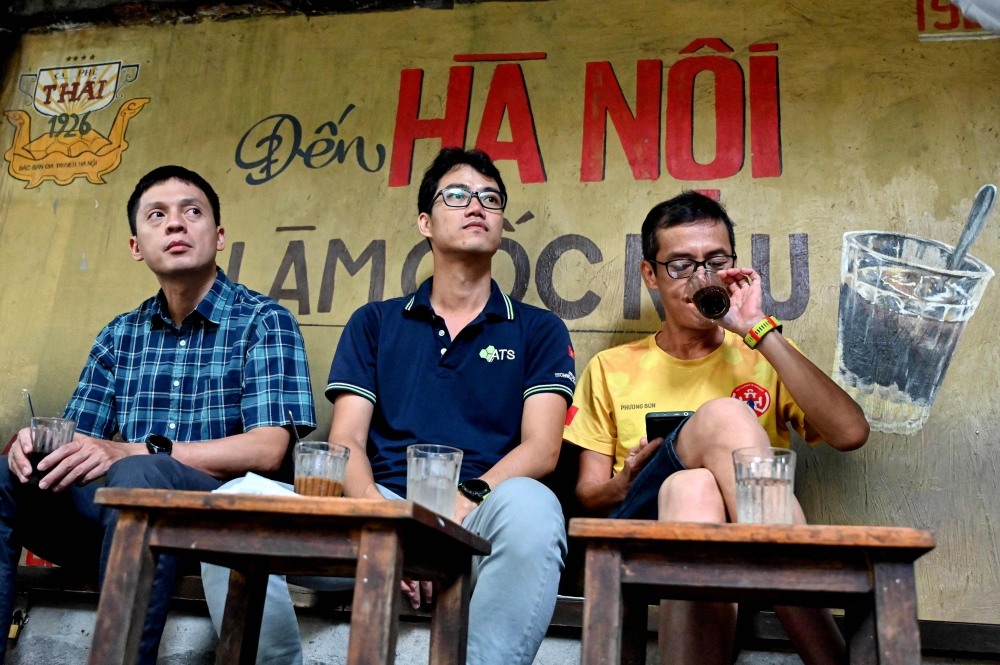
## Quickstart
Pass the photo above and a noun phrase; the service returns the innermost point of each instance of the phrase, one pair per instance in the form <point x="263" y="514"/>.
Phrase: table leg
<point x="896" y="627"/>
<point x="128" y="581"/>
<point x="635" y="618"/>
<point x="861" y="640"/>
<point x="602" y="607"/>
<point x="450" y="621"/>
<point x="241" y="621"/>
<point x="375" y="609"/>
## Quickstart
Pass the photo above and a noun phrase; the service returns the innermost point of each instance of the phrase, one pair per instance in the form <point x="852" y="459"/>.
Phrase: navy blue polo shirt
<point x="466" y="392"/>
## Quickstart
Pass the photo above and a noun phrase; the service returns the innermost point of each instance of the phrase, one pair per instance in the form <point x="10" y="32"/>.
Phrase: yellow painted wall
<point x="880" y="129"/>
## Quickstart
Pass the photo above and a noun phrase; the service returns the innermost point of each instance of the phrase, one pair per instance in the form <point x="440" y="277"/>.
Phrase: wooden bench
<point x="867" y="571"/>
<point x="375" y="541"/>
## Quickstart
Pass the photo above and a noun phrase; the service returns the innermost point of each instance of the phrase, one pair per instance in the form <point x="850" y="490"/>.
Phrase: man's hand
<point x="82" y="460"/>
<point x="637" y="458"/>
<point x="17" y="457"/>
<point x="746" y="300"/>
<point x="463" y="506"/>
<point x="412" y="590"/>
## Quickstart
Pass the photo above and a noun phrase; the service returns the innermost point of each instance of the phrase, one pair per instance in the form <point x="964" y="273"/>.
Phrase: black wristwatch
<point x="475" y="490"/>
<point x="157" y="444"/>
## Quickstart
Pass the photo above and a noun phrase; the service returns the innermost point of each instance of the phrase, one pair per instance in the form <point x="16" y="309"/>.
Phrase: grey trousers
<point x="514" y="588"/>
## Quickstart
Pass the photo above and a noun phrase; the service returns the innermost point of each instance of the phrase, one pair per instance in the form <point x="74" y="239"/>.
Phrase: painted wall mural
<point x="810" y="121"/>
<point x="71" y="148"/>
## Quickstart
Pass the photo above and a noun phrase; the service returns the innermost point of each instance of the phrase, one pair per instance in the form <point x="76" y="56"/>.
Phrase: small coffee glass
<point x="47" y="435"/>
<point x="709" y="294"/>
<point x="320" y="467"/>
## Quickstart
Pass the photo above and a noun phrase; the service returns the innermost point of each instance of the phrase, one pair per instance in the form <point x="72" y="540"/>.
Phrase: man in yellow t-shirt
<point x="745" y="384"/>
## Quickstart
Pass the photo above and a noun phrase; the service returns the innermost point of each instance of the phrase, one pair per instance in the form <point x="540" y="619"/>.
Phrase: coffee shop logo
<point x="67" y="99"/>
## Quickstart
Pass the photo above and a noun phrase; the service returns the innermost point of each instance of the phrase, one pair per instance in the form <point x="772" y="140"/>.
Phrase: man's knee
<point x="526" y="514"/>
<point x="143" y="471"/>
<point x="691" y="495"/>
<point x="723" y="421"/>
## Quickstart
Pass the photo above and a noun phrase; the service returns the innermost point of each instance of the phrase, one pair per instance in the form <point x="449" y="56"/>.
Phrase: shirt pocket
<point x="217" y="403"/>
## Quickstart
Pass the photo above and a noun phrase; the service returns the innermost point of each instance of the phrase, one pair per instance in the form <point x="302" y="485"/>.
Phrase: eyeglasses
<point x="459" y="197"/>
<point x="684" y="268"/>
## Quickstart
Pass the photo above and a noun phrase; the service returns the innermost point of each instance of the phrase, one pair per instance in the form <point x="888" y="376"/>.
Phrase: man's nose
<point x="175" y="222"/>
<point x="475" y="207"/>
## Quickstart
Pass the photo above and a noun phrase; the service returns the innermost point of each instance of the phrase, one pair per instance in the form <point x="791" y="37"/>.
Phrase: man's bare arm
<point x="87" y="458"/>
<point x="352" y="417"/>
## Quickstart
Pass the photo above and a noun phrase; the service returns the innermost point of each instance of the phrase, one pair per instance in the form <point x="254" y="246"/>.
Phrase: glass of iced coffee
<point x="320" y="468"/>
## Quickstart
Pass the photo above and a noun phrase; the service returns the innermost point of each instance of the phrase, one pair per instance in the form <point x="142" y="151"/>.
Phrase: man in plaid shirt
<point x="205" y="362"/>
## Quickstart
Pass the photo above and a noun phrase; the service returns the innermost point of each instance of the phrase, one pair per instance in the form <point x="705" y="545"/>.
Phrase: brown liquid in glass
<point x="712" y="302"/>
<point x="312" y="486"/>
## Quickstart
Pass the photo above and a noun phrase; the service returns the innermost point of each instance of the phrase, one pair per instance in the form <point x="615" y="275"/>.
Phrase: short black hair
<point x="448" y="159"/>
<point x="160" y="175"/>
<point x="686" y="208"/>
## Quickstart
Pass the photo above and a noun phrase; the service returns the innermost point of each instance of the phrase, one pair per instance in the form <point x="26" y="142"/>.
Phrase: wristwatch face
<point x="476" y="486"/>
<point x="159" y="444"/>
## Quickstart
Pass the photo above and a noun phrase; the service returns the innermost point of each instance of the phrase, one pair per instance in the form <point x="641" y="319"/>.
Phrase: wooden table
<point x="867" y="571"/>
<point x="375" y="541"/>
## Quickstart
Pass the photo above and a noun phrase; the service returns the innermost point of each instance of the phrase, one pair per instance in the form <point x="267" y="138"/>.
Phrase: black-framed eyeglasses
<point x="459" y="197"/>
<point x="684" y="268"/>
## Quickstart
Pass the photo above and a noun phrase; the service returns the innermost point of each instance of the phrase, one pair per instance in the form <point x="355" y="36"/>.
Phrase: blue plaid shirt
<point x="237" y="362"/>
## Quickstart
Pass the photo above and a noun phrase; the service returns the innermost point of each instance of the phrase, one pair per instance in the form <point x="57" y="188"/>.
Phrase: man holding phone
<point x="742" y="385"/>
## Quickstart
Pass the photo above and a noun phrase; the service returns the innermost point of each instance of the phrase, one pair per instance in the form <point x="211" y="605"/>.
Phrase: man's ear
<point x="648" y="271"/>
<point x="424" y="224"/>
<point x="220" y="242"/>
<point x="133" y="245"/>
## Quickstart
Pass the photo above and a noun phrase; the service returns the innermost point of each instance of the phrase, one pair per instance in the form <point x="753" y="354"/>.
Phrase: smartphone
<point x="662" y="423"/>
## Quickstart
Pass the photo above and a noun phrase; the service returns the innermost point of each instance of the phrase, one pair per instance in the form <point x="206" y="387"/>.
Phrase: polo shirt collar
<point x="499" y="307"/>
<point x="212" y="307"/>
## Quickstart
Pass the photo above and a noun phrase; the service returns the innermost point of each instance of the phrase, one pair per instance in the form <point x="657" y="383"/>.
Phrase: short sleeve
<point x="550" y="365"/>
<point x="276" y="375"/>
<point x="354" y="363"/>
<point x="590" y="421"/>
<point x="93" y="405"/>
<point x="791" y="412"/>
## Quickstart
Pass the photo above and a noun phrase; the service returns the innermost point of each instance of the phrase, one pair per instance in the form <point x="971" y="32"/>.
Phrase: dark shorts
<point x="641" y="501"/>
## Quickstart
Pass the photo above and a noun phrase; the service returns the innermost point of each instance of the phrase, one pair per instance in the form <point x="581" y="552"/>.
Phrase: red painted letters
<point x="729" y="124"/>
<point x="409" y="127"/>
<point x="639" y="133"/>
<point x="509" y="93"/>
<point x="765" y="117"/>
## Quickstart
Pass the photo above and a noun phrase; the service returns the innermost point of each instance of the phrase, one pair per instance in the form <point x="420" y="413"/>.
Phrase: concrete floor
<point x="58" y="632"/>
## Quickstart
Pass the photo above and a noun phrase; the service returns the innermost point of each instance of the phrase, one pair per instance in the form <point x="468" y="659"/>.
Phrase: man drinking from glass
<point x="745" y="384"/>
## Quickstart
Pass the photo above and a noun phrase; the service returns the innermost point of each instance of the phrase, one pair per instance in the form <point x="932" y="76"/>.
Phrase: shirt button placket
<point x="175" y="397"/>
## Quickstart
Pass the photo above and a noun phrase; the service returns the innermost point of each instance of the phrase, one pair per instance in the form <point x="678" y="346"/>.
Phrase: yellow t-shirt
<point x="620" y="385"/>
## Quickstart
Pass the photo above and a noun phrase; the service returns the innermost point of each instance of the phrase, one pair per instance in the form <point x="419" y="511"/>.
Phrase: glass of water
<point x="432" y="477"/>
<point x="765" y="480"/>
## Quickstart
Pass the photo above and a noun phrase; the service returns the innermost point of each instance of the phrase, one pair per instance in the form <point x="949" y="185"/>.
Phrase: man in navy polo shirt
<point x="459" y="363"/>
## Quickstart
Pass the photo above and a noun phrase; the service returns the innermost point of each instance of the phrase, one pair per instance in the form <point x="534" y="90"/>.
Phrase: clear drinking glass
<point x="765" y="481"/>
<point x="709" y="294"/>
<point x="320" y="468"/>
<point x="902" y="314"/>
<point x="47" y="434"/>
<point x="432" y="477"/>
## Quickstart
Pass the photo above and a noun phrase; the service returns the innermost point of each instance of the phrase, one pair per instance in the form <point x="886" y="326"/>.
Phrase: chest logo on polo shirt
<point x="491" y="353"/>
<point x="755" y="396"/>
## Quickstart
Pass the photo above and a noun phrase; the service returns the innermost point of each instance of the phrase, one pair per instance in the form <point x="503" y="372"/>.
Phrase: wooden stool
<point x="376" y="542"/>
<point x="867" y="571"/>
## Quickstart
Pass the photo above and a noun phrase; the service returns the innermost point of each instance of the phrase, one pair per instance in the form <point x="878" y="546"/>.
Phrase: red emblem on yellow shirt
<point x="754" y="396"/>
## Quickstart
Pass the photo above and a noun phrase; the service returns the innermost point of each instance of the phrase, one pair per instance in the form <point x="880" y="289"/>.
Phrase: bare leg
<point x="811" y="629"/>
<point x="710" y="436"/>
<point x="707" y="441"/>
<point x="694" y="632"/>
